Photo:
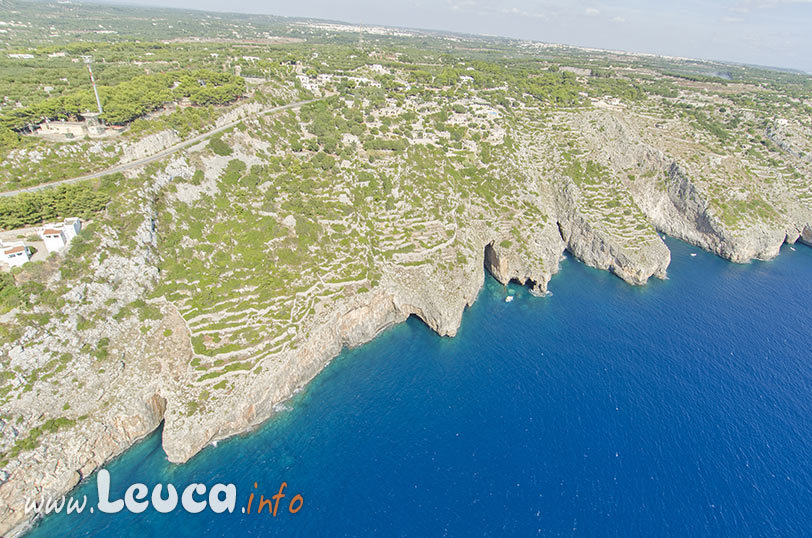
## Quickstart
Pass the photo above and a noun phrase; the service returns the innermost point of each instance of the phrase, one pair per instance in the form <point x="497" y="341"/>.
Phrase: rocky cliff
<point x="204" y="302"/>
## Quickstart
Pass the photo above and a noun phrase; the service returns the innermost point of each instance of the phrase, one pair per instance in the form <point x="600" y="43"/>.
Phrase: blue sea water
<point x="683" y="408"/>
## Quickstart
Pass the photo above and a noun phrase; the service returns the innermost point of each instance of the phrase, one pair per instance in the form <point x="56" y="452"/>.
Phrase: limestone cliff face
<point x="806" y="235"/>
<point x="714" y="202"/>
<point x="682" y="211"/>
<point x="438" y="301"/>
<point x="149" y="145"/>
<point x="603" y="250"/>
<point x="144" y="396"/>
<point x="55" y="468"/>
<point x="349" y="324"/>
<point x="51" y="471"/>
<point x="132" y="399"/>
<point x="438" y="298"/>
<point x="506" y="263"/>
<point x="597" y="250"/>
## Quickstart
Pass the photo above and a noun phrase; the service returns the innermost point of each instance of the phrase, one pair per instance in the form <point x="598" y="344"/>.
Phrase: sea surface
<point x="683" y="408"/>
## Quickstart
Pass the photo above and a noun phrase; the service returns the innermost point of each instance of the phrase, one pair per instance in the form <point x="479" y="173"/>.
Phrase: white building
<point x="16" y="253"/>
<point x="71" y="227"/>
<point x="363" y="80"/>
<point x="306" y="83"/>
<point x="56" y="236"/>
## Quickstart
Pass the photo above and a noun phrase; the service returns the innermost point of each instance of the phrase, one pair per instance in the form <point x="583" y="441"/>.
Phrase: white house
<point x="16" y="253"/>
<point x="71" y="227"/>
<point x="56" y="236"/>
<point x="306" y="83"/>
<point x="53" y="236"/>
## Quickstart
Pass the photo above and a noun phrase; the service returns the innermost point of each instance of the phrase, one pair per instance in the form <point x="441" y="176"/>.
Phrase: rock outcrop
<point x="149" y="145"/>
<point x="806" y="235"/>
<point x="603" y="250"/>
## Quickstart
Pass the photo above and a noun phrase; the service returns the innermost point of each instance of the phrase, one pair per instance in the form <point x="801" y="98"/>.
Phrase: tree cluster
<point x="132" y="99"/>
<point x="78" y="200"/>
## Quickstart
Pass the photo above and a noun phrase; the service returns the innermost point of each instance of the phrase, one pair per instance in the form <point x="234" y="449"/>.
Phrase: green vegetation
<point x="219" y="147"/>
<point x="184" y="121"/>
<point x="32" y="440"/>
<point x="584" y="174"/>
<point x="9" y="293"/>
<point x="132" y="99"/>
<point x="77" y="200"/>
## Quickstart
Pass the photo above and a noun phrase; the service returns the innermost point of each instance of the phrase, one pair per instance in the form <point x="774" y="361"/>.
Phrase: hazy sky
<point x="766" y="32"/>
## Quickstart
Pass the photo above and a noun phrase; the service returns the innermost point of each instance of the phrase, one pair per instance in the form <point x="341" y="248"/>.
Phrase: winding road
<point x="157" y="156"/>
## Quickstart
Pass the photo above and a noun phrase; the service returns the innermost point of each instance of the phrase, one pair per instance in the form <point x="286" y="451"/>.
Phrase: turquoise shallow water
<point x="683" y="408"/>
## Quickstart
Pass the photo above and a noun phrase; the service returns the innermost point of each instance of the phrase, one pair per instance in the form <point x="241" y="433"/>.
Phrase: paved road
<point x="155" y="157"/>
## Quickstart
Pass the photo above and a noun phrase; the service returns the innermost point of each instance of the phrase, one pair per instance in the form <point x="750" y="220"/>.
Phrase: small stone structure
<point x="91" y="127"/>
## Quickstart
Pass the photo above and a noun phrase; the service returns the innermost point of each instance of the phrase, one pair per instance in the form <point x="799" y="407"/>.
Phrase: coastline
<point x="600" y="279"/>
<point x="357" y="327"/>
<point x="170" y="362"/>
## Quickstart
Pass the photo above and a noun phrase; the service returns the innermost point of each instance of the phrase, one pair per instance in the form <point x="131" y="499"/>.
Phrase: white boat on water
<point x="508" y="298"/>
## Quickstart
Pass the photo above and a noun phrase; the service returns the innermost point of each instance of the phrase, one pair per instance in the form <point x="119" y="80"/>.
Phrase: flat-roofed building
<point x="57" y="236"/>
<point x="16" y="253"/>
